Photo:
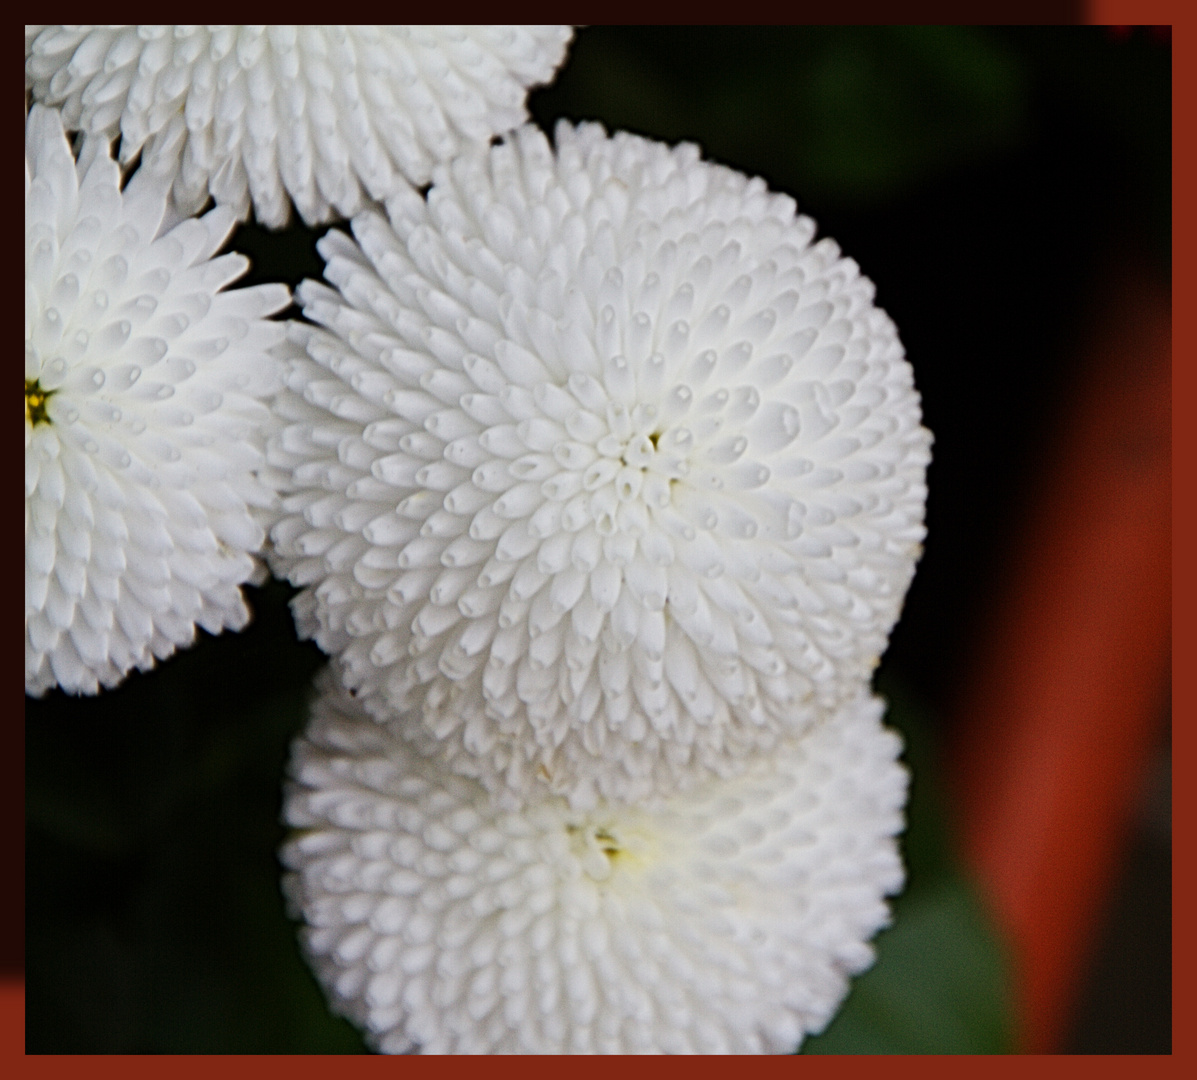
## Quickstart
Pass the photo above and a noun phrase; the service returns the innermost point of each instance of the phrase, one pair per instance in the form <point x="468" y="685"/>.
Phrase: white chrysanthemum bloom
<point x="145" y="422"/>
<point x="326" y="116"/>
<point x="725" y="919"/>
<point x="602" y="468"/>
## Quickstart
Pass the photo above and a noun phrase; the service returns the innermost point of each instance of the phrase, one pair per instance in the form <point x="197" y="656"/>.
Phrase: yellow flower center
<point x="601" y="848"/>
<point x="35" y="403"/>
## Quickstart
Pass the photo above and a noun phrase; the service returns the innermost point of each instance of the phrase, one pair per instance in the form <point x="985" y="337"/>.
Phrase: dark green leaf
<point x="939" y="985"/>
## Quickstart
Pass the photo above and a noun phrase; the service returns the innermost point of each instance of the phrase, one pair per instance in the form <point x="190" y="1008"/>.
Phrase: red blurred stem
<point x="1127" y="13"/>
<point x="1062" y="710"/>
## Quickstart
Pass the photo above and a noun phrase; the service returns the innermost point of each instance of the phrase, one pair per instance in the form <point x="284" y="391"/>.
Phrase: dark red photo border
<point x="1183" y="625"/>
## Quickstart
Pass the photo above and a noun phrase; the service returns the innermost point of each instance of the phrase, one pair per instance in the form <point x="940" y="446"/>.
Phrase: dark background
<point x="982" y="178"/>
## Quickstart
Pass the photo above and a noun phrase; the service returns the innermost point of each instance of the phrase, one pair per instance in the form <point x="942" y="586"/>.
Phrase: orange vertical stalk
<point x="1060" y="712"/>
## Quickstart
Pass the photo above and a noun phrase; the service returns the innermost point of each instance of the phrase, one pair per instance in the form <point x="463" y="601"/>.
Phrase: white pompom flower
<point x="726" y="919"/>
<point x="602" y="468"/>
<point x="145" y="419"/>
<point x="328" y="117"/>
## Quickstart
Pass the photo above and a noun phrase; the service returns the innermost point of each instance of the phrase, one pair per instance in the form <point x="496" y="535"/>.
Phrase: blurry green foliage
<point x="840" y="115"/>
<point x="941" y="982"/>
<point x="938" y="986"/>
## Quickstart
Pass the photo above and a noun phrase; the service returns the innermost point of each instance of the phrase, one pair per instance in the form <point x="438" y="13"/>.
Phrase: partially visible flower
<point x="144" y="419"/>
<point x="326" y="116"/>
<point x="601" y="468"/>
<point x="723" y="920"/>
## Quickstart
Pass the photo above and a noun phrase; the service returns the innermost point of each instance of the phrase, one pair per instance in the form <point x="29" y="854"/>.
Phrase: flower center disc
<point x="601" y="848"/>
<point x="35" y="403"/>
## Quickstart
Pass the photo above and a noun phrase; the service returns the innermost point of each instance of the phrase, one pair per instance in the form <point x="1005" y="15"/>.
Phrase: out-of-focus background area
<point x="1008" y="190"/>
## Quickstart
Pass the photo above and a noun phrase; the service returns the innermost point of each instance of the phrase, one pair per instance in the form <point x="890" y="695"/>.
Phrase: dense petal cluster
<point x="602" y="482"/>
<point x="325" y="116"/>
<point x="601" y="469"/>
<point x="145" y="421"/>
<point x="727" y="920"/>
